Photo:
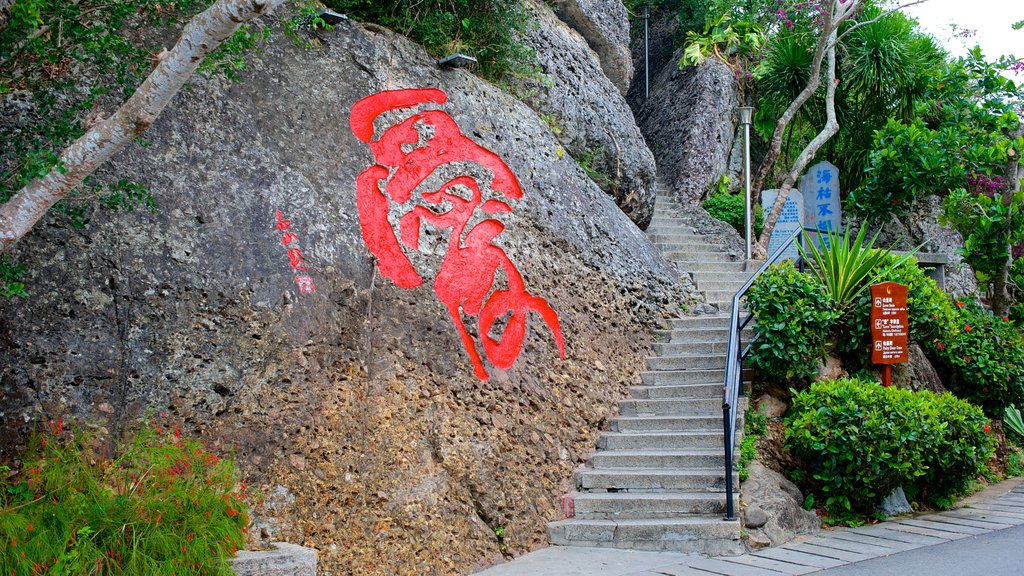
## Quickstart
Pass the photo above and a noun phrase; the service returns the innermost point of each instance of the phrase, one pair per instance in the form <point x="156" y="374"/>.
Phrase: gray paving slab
<point x="798" y="557"/>
<point x="684" y="570"/>
<point x="968" y="521"/>
<point x="991" y="507"/>
<point x="899" y="535"/>
<point x="985" y="516"/>
<point x="839" y="554"/>
<point x="722" y="567"/>
<point x="932" y="524"/>
<point x="940" y="534"/>
<point x="875" y="541"/>
<point x="582" y="561"/>
<point x="842" y="545"/>
<point x="777" y="566"/>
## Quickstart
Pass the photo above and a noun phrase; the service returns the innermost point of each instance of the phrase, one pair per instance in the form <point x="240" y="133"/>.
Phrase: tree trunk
<point x="203" y="34"/>
<point x="1000" y="296"/>
<point x="819" y="140"/>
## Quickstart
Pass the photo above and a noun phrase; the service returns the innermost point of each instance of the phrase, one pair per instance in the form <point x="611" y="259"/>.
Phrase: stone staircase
<point x="657" y="479"/>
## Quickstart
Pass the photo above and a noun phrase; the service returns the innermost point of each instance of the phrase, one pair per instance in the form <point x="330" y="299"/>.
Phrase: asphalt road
<point x="999" y="553"/>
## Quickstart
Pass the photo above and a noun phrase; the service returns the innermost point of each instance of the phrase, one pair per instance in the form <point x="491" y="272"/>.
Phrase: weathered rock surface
<point x="770" y="493"/>
<point x="688" y="123"/>
<point x="917" y="373"/>
<point x="895" y="504"/>
<point x="662" y="40"/>
<point x="605" y="26"/>
<point x="354" y="409"/>
<point x="590" y="119"/>
<point x="921" y="227"/>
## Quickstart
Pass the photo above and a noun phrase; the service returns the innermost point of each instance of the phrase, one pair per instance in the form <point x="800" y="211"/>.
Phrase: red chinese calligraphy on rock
<point x="465" y="282"/>
<point x="304" y="282"/>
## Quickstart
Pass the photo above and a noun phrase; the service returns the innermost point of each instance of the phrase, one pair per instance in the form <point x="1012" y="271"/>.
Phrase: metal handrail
<point x="734" y="360"/>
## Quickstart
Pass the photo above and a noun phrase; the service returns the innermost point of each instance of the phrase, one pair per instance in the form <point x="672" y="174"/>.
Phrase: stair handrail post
<point x="734" y="371"/>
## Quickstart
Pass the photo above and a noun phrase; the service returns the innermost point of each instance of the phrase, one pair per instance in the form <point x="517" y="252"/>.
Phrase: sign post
<point x="889" y="327"/>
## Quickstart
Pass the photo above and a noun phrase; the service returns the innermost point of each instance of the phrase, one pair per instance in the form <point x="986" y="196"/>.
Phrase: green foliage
<point x="989" y="228"/>
<point x="929" y="309"/>
<point x="229" y="58"/>
<point x="793" y="320"/>
<point x="860" y="441"/>
<point x="10" y="279"/>
<point x="845" y="268"/>
<point x="488" y="30"/>
<point x="1013" y="421"/>
<point x="69" y="62"/>
<point x="983" y="357"/>
<point x="587" y="161"/>
<point x="729" y="208"/>
<point x="755" y="425"/>
<point x="163" y="506"/>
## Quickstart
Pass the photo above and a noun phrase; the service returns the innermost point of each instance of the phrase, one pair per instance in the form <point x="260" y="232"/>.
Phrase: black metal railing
<point x="733" y="388"/>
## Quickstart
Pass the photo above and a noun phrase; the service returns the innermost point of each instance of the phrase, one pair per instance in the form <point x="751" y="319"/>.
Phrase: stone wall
<point x="353" y="410"/>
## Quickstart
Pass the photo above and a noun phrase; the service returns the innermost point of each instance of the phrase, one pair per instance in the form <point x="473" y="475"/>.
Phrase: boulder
<point x="689" y="124"/>
<point x="917" y="373"/>
<point x="771" y="407"/>
<point x="895" y="504"/>
<point x="589" y="117"/>
<point x="249" y="310"/>
<point x="781" y="501"/>
<point x="921" y="227"/>
<point x="605" y="26"/>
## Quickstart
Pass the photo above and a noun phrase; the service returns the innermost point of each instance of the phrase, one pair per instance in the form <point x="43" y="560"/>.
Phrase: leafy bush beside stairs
<point x="860" y="441"/>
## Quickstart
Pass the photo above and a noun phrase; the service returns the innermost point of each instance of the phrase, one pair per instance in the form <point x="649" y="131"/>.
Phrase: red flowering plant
<point x="984" y="357"/>
<point x="163" y="505"/>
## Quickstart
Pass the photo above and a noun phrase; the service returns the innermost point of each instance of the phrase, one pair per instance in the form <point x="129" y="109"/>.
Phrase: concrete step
<point x="674" y="236"/>
<point x="717" y="295"/>
<point x="632" y="424"/>
<point x="649" y="480"/>
<point x="709" y="257"/>
<point x="661" y="440"/>
<point x="692" y="266"/>
<point x="658" y="458"/>
<point x="703" y="321"/>
<point x="704" y="535"/>
<point x="731" y="286"/>
<point x="701" y="335"/>
<point x="622" y="505"/>
<point x="704" y="390"/>
<point x="670" y="407"/>
<point x="686" y="362"/>
<point x="682" y="377"/>
<point x="695" y="246"/>
<point x="720" y="275"/>
<point x="711" y="347"/>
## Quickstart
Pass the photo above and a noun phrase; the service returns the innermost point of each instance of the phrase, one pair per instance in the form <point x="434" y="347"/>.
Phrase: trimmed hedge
<point x="860" y="441"/>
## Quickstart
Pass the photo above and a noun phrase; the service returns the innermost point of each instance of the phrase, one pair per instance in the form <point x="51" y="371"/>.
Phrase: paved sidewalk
<point x="995" y="508"/>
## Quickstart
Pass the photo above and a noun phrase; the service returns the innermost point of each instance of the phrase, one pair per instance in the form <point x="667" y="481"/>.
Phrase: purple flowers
<point x="985" y="184"/>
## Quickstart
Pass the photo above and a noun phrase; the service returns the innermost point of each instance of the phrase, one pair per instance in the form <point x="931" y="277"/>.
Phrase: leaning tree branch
<point x="802" y="160"/>
<point x="203" y="34"/>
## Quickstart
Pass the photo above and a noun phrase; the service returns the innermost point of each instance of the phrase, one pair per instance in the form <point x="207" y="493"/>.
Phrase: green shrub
<point x="957" y="455"/>
<point x="729" y="208"/>
<point x="860" y="441"/>
<point x="164" y="506"/>
<point x="794" y="317"/>
<point x="755" y="425"/>
<point x="984" y="358"/>
<point x="488" y="30"/>
<point x="930" y="312"/>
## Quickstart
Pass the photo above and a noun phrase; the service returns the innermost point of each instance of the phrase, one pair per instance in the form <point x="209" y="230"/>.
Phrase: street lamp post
<point x="647" y="75"/>
<point x="746" y="118"/>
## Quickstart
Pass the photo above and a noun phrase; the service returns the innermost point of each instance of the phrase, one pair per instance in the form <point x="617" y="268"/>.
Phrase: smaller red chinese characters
<point x="291" y="242"/>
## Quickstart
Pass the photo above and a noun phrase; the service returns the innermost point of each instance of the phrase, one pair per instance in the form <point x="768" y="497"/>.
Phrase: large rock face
<point x="354" y="408"/>
<point x="605" y="26"/>
<point x="688" y="123"/>
<point x="590" y="118"/>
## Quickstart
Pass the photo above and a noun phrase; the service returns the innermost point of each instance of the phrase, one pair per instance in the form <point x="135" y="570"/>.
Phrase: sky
<point x="990" y="18"/>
